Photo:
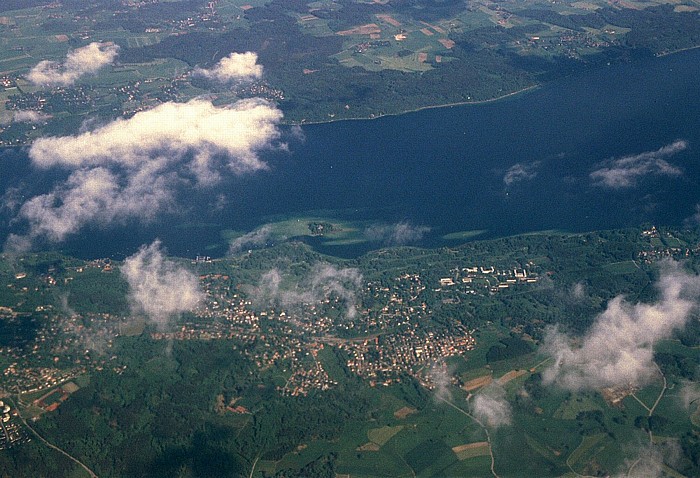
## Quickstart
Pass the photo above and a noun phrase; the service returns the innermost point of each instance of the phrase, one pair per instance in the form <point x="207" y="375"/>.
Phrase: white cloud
<point x="396" y="234"/>
<point x="235" y="67"/>
<point x="323" y="282"/>
<point x="624" y="172"/>
<point x="693" y="220"/>
<point x="690" y="396"/>
<point x="98" y="196"/>
<point x="578" y="291"/>
<point x="81" y="61"/>
<point x="650" y="460"/>
<point x="490" y="406"/>
<point x="158" y="287"/>
<point x="197" y="128"/>
<point x="521" y="172"/>
<point x="441" y="377"/>
<point x="29" y="116"/>
<point x="256" y="238"/>
<point x="618" y="349"/>
<point x="344" y="283"/>
<point x="132" y="168"/>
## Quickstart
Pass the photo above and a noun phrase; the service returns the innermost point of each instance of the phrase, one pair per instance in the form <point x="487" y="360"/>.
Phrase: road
<point x="486" y="430"/>
<point x="54" y="447"/>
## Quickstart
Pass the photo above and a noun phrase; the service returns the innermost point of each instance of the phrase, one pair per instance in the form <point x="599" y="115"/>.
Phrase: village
<point x="390" y="338"/>
<point x="392" y="334"/>
<point x="11" y="433"/>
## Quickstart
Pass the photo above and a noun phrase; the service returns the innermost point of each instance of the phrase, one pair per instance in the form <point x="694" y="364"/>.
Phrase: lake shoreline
<point x="467" y="103"/>
<point x="421" y="108"/>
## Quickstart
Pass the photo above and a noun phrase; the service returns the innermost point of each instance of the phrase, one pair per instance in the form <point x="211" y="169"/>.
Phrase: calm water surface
<point x="444" y="168"/>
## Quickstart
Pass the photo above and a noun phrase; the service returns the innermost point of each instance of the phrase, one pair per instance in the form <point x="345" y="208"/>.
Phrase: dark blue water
<point x="444" y="168"/>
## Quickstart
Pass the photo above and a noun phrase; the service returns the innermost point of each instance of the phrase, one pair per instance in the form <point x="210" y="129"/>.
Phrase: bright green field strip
<point x="162" y="68"/>
<point x="268" y="467"/>
<point x="463" y="235"/>
<point x="430" y="458"/>
<point x="585" y="450"/>
<point x="383" y="434"/>
<point x="477" y="467"/>
<point x="408" y="63"/>
<point x="672" y="241"/>
<point x="625" y="267"/>
<point x="145" y="40"/>
<point x="344" y="242"/>
<point x="570" y="408"/>
<point x="331" y="364"/>
<point x="372" y="463"/>
<point x="540" y="448"/>
<point x="11" y="65"/>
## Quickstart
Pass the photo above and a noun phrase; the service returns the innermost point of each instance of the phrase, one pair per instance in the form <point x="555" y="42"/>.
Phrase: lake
<point x="444" y="168"/>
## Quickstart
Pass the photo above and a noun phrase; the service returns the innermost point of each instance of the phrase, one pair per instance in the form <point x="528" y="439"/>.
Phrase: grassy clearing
<point x="134" y="327"/>
<point x="476" y="467"/>
<point x="267" y="467"/>
<point x="404" y="412"/>
<point x="330" y="363"/>
<point x="429" y="457"/>
<point x="142" y="41"/>
<point x="570" y="408"/>
<point x="540" y="448"/>
<point x="409" y="63"/>
<point x="383" y="434"/>
<point x="369" y="446"/>
<point x="626" y="267"/>
<point x="585" y="450"/>
<point x="372" y="463"/>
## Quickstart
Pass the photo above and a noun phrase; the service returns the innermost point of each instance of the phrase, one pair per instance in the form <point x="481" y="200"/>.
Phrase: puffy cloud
<point x="693" y="220"/>
<point x="269" y="290"/>
<point x="131" y="168"/>
<point x="98" y="196"/>
<point x="651" y="460"/>
<point x="441" y="377"/>
<point x="197" y="128"/>
<point x="690" y="395"/>
<point x="490" y="406"/>
<point x="12" y="199"/>
<point x="158" y="287"/>
<point x="396" y="234"/>
<point x="618" y="349"/>
<point x="297" y="133"/>
<point x="29" y="116"/>
<point x="344" y="283"/>
<point x="624" y="172"/>
<point x="521" y="172"/>
<point x="256" y="238"/>
<point x="323" y="282"/>
<point x="578" y="291"/>
<point x="235" y="67"/>
<point x="81" y="61"/>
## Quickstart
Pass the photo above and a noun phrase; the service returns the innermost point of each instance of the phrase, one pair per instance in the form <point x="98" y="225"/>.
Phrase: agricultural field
<point x="400" y="56"/>
<point x="550" y="435"/>
<point x="296" y="402"/>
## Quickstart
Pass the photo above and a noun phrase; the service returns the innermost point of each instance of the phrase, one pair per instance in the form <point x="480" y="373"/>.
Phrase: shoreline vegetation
<point x="422" y="108"/>
<point x="462" y="103"/>
<point x="673" y="52"/>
